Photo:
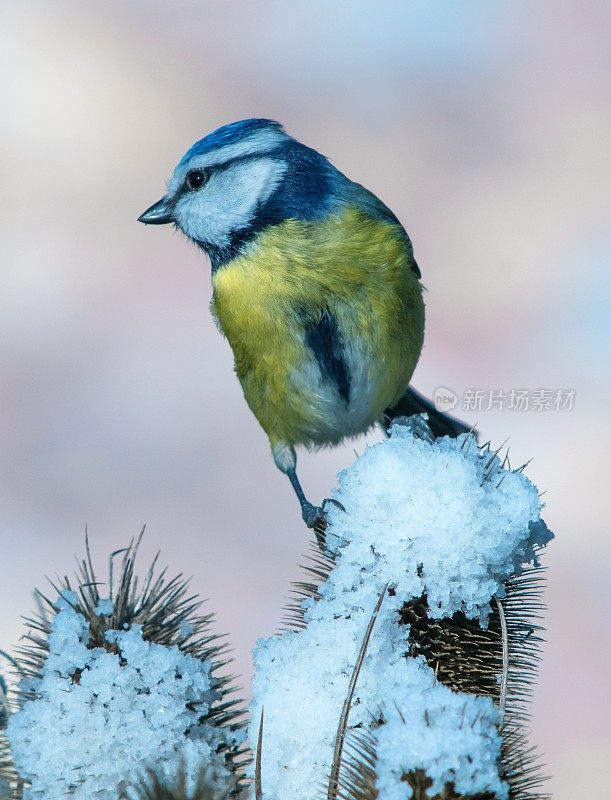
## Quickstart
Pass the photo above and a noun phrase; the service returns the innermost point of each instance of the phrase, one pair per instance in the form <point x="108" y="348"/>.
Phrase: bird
<point x="314" y="285"/>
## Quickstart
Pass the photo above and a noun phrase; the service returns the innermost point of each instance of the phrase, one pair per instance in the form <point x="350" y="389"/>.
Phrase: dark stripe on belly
<point x="324" y="340"/>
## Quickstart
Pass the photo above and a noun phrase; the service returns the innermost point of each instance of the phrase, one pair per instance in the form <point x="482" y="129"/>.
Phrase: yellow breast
<point x="356" y="268"/>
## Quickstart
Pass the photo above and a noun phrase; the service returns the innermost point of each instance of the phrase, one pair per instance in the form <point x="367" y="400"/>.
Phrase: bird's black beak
<point x="160" y="213"/>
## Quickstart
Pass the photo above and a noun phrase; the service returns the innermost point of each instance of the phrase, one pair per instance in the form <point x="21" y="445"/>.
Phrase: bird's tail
<point x="414" y="403"/>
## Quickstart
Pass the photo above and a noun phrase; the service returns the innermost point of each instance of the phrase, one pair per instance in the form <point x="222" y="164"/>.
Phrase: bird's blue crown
<point x="230" y="134"/>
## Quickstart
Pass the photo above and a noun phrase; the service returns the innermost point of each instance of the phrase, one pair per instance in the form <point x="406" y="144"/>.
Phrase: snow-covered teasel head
<point x="437" y="528"/>
<point x="120" y="684"/>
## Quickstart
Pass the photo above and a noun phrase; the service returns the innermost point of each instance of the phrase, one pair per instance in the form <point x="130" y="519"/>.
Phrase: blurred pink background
<point x="485" y="126"/>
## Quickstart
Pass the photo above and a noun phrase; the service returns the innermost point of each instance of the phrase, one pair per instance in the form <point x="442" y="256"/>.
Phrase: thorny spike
<point x="258" y="759"/>
<point x="505" y="656"/>
<point x="154" y="788"/>
<point x="319" y="566"/>
<point x="488" y="466"/>
<point x="358" y="774"/>
<point x="343" y="721"/>
<point x="505" y="464"/>
<point x="470" y="437"/>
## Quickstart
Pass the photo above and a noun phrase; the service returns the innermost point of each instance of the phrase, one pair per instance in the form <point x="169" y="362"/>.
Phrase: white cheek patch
<point x="229" y="200"/>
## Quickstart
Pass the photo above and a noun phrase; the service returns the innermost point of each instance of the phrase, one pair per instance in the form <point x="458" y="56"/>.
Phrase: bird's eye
<point x="196" y="179"/>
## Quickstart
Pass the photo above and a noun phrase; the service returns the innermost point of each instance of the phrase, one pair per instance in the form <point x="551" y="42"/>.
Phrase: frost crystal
<point x="443" y="520"/>
<point x="97" y="718"/>
<point x="105" y="607"/>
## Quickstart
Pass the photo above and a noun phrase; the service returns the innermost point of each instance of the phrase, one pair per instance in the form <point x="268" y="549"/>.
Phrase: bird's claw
<point x="335" y="502"/>
<point x="418" y="426"/>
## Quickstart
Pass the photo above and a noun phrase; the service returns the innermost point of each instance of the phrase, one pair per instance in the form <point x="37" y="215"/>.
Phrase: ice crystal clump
<point x="450" y="736"/>
<point x="444" y="520"/>
<point x="95" y="719"/>
<point x="441" y="519"/>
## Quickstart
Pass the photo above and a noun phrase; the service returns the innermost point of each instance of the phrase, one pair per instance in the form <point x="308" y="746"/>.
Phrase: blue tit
<point x="314" y="283"/>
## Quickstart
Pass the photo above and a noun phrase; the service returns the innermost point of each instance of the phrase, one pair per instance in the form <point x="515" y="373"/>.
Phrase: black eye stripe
<point x="196" y="178"/>
<point x="225" y="165"/>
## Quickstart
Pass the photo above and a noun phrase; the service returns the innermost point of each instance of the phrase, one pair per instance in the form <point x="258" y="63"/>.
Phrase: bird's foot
<point x="418" y="426"/>
<point x="316" y="520"/>
<point x="313" y="516"/>
<point x="316" y="516"/>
